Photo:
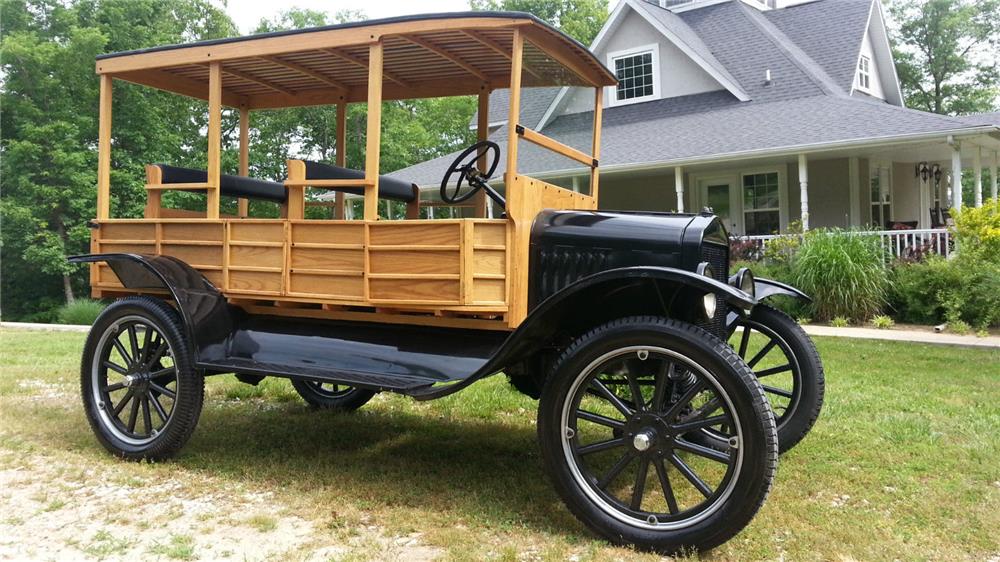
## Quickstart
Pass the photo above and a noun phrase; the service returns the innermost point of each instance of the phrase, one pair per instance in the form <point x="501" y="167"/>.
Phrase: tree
<point x="49" y="122"/>
<point x="946" y="54"/>
<point x="580" y="19"/>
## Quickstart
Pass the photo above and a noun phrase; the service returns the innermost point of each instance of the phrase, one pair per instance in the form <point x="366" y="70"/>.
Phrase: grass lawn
<point x="904" y="463"/>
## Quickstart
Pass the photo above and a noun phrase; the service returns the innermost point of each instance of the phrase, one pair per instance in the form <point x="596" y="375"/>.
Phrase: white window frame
<point x="883" y="172"/>
<point x="653" y="48"/>
<point x="782" y="198"/>
<point x="735" y="176"/>
<point x="865" y="73"/>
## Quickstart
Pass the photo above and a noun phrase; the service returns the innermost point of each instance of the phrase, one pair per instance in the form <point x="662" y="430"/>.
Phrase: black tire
<point x="685" y="360"/>
<point x="137" y="357"/>
<point x="792" y="379"/>
<point x="332" y="396"/>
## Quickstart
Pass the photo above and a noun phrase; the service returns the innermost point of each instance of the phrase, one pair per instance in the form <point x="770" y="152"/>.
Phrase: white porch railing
<point x="895" y="243"/>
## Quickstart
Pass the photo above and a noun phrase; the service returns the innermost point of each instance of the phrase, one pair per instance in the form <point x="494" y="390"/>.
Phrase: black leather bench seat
<point x="231" y="186"/>
<point x="388" y="188"/>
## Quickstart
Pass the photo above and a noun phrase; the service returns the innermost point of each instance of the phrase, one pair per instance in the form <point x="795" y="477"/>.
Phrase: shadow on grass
<point x="486" y="472"/>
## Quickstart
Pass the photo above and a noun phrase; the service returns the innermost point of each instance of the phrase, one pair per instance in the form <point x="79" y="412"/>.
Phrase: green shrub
<point x="840" y="322"/>
<point x="959" y="327"/>
<point x="883" y="322"/>
<point x="80" y="311"/>
<point x="844" y="273"/>
<point x="965" y="288"/>
<point x="977" y="231"/>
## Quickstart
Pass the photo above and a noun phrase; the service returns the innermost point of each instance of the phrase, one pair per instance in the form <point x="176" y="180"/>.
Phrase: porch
<point x="902" y="191"/>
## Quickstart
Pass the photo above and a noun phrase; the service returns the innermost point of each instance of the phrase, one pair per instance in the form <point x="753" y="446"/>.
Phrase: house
<point x="767" y="111"/>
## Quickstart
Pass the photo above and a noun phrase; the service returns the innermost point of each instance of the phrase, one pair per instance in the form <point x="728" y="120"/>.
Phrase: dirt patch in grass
<point x="54" y="510"/>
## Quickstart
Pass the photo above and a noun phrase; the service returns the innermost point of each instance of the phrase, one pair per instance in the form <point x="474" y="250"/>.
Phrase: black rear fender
<point x="208" y="317"/>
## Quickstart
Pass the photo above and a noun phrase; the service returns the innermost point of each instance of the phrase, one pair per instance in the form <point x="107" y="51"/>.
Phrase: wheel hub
<point x="648" y="433"/>
<point x="643" y="441"/>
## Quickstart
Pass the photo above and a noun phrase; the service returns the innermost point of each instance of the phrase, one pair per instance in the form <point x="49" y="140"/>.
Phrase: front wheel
<point x="785" y="360"/>
<point x="141" y="392"/>
<point x="614" y="422"/>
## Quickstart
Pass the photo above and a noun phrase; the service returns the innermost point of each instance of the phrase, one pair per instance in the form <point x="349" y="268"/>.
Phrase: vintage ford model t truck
<point x="654" y="428"/>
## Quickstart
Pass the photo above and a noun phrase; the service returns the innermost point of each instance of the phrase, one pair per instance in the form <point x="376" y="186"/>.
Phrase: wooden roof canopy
<point x="424" y="56"/>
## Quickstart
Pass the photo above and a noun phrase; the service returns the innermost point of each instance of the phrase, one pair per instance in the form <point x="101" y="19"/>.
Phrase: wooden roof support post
<point x="296" y="193"/>
<point x="243" y="204"/>
<point x="514" y="114"/>
<point x="104" y="151"/>
<point x="341" y="157"/>
<point x="214" y="139"/>
<point x="483" y="133"/>
<point x="374" y="132"/>
<point x="595" y="170"/>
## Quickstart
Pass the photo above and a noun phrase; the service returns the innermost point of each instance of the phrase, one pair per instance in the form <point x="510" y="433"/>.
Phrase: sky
<point x="247" y="13"/>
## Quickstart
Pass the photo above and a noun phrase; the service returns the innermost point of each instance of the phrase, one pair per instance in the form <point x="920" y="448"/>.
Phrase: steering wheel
<point x="468" y="172"/>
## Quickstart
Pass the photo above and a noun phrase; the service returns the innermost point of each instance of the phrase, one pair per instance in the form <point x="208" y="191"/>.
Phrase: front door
<point x="721" y="196"/>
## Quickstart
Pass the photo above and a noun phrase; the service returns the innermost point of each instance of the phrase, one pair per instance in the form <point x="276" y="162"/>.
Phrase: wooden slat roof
<point x="425" y="56"/>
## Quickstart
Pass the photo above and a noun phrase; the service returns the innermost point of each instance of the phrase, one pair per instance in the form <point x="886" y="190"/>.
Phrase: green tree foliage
<point x="49" y="124"/>
<point x="946" y="54"/>
<point x="580" y="19"/>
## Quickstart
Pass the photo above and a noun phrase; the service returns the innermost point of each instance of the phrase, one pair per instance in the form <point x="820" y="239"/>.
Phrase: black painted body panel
<point x="381" y="356"/>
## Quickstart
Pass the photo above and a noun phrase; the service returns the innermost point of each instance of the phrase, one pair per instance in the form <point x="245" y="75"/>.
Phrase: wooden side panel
<point x="326" y="260"/>
<point x="439" y="267"/>
<point x="414" y="262"/>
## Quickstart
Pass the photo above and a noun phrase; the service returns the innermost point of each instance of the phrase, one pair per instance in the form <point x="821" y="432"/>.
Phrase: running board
<point x="398" y="358"/>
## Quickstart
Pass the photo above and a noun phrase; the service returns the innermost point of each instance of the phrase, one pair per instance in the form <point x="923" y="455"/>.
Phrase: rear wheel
<point x="141" y="392"/>
<point x="613" y="422"/>
<point x="332" y="396"/>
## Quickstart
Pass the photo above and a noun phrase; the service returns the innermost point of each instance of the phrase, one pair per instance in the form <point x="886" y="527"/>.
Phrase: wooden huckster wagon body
<point x="653" y="429"/>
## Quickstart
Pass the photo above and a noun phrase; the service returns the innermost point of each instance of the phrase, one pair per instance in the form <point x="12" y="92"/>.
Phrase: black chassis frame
<point x="426" y="362"/>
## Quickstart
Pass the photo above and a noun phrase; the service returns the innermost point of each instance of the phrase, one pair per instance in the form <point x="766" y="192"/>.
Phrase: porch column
<point x="977" y="169"/>
<point x="804" y="190"/>
<point x="993" y="175"/>
<point x="679" y="187"/>
<point x="956" y="178"/>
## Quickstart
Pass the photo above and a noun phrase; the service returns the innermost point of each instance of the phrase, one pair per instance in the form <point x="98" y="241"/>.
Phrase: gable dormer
<point x="655" y="55"/>
<point x="875" y="75"/>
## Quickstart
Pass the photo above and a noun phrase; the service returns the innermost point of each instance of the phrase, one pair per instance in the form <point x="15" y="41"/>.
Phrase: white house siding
<point x="905" y="193"/>
<point x="829" y="193"/>
<point x="652" y="192"/>
<point x="678" y="74"/>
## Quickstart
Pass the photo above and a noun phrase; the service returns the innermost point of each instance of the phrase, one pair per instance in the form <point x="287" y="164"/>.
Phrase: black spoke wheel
<point x="331" y="395"/>
<point x="785" y="360"/>
<point x="140" y="391"/>
<point x="614" y="422"/>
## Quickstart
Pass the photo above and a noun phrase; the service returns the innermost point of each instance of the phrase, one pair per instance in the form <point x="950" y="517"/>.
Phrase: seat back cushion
<point x="388" y="188"/>
<point x="231" y="186"/>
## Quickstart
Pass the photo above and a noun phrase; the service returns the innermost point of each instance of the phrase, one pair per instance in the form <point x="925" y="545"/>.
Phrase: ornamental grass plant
<point x="844" y="272"/>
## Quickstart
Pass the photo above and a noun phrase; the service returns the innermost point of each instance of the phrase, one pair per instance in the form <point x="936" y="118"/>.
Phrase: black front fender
<point x="567" y="309"/>
<point x="765" y="288"/>
<point x="208" y="317"/>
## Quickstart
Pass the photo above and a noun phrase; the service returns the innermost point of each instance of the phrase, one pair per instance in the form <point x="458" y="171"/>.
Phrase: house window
<point x="864" y="72"/>
<point x="880" y="197"/>
<point x="636" y="71"/>
<point x="761" y="203"/>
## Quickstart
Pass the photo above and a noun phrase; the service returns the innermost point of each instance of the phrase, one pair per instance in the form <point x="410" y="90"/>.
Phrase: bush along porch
<point x="857" y="276"/>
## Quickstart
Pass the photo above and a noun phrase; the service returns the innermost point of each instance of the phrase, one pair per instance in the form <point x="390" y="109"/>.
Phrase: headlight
<point x="708" y="302"/>
<point x="744" y="281"/>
